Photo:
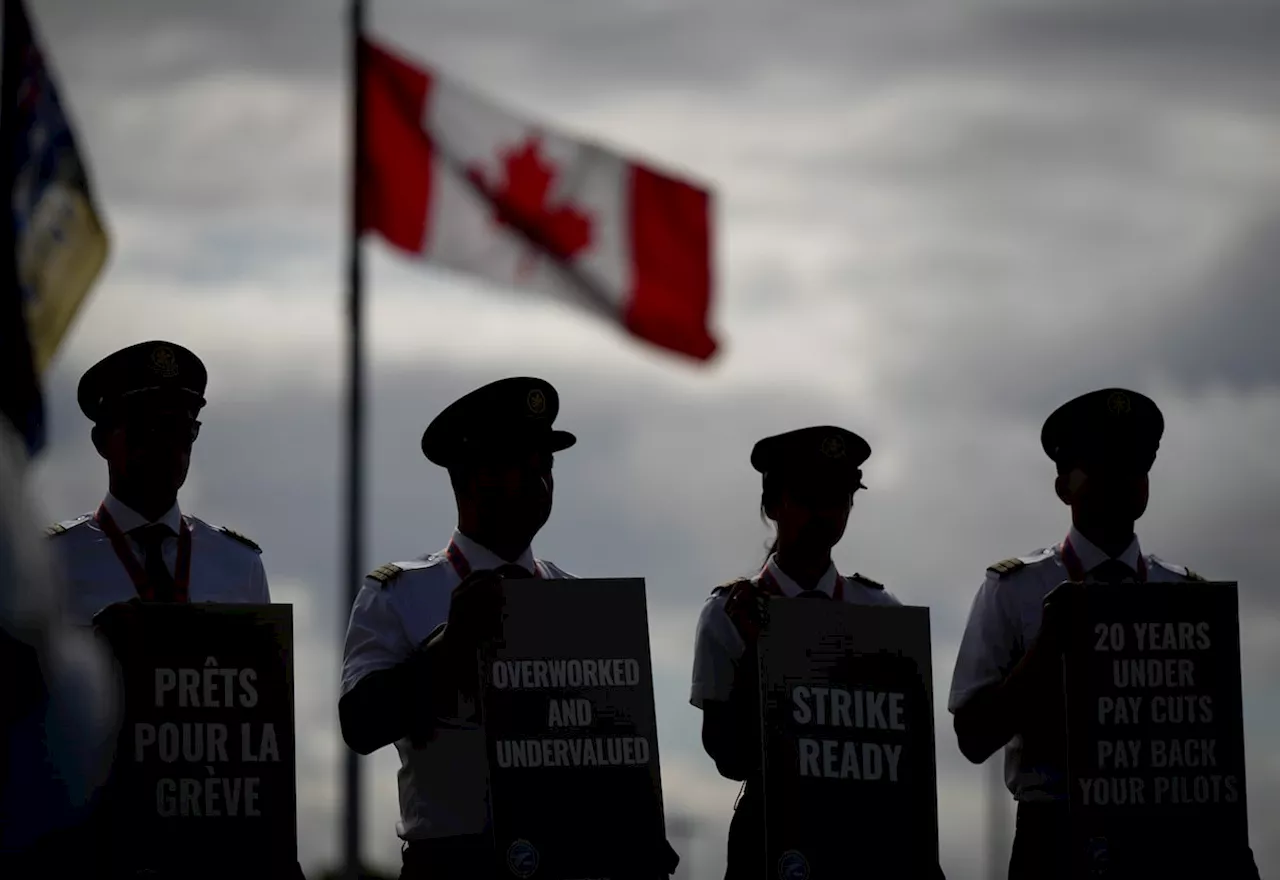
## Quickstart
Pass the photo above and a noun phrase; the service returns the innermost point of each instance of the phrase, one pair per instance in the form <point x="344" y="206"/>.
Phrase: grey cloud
<point x="1226" y="335"/>
<point x="1242" y="29"/>
<point x="670" y="43"/>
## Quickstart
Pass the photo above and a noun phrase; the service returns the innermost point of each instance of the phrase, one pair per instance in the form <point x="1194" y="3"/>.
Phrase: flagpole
<point x="355" y="416"/>
<point x="997" y="818"/>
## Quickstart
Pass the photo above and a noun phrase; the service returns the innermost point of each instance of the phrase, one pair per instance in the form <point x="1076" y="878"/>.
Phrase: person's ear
<point x="99" y="437"/>
<point x="1068" y="486"/>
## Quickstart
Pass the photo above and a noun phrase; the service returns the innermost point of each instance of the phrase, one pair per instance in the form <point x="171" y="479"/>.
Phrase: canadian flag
<point x="449" y="177"/>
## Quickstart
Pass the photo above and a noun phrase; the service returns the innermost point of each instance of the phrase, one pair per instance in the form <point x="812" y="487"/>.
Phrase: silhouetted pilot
<point x="139" y="546"/>
<point x="1007" y="687"/>
<point x="143" y="402"/>
<point x="810" y="477"/>
<point x="409" y="673"/>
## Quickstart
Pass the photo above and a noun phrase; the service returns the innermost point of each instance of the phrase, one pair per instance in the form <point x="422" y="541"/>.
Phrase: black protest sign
<point x="204" y="776"/>
<point x="1155" y="735"/>
<point x="850" y="778"/>
<point x="567" y="707"/>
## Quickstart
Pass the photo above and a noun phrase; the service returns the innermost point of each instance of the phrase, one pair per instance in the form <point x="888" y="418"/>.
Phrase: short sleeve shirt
<point x="718" y="646"/>
<point x="443" y="785"/>
<point x="1004" y="621"/>
<point x="224" y="566"/>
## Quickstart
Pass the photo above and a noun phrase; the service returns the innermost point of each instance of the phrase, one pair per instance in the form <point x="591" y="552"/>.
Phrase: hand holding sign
<point x="121" y="624"/>
<point x="475" y="612"/>
<point x="1060" y="608"/>
<point x="746" y="605"/>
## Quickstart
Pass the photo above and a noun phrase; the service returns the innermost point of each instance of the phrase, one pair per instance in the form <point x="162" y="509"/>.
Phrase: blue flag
<point x="52" y="242"/>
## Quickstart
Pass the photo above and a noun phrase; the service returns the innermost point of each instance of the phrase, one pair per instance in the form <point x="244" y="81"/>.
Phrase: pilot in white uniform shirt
<point x="214" y="563"/>
<point x="1005" y="620"/>
<point x="718" y="646"/>
<point x="443" y="783"/>
<point x="143" y="402"/>
<point x="497" y="443"/>
<point x="1006" y="690"/>
<point x="809" y="479"/>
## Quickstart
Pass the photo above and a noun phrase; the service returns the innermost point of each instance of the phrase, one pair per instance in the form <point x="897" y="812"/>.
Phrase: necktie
<point x="513" y="572"/>
<point x="151" y="540"/>
<point x="1113" y="571"/>
<point x="812" y="594"/>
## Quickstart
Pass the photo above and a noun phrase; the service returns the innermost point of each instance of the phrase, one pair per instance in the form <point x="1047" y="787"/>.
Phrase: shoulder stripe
<point x="232" y="533"/>
<point x="866" y="581"/>
<point x="1176" y="569"/>
<point x="385" y="574"/>
<point x="61" y="528"/>
<point x="1007" y="566"/>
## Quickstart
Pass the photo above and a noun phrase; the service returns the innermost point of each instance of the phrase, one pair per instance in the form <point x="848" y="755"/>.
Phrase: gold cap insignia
<point x="833" y="447"/>
<point x="1118" y="403"/>
<point x="164" y="362"/>
<point x="537" y="402"/>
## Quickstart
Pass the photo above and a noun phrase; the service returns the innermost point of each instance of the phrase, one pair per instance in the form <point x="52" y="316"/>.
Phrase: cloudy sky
<point x="937" y="220"/>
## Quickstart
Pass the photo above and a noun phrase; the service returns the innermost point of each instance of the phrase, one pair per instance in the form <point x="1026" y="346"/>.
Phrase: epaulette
<point x="61" y="528"/>
<point x="385" y="574"/>
<point x="1007" y="566"/>
<point x="866" y="581"/>
<point x="1176" y="569"/>
<point x="232" y="533"/>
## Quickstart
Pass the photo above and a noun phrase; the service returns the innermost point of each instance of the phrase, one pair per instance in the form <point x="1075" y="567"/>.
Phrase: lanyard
<point x="137" y="574"/>
<point x="1075" y="568"/>
<point x="463" y="568"/>
<point x="773" y="588"/>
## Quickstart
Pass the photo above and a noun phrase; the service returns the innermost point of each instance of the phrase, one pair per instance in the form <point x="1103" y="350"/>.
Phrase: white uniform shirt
<point x="225" y="566"/>
<point x="444" y="786"/>
<point x="1005" y="620"/>
<point x="718" y="646"/>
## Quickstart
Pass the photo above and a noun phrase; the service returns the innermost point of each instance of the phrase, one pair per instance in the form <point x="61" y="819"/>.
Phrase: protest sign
<point x="1155" y="736"/>
<point x="205" y="773"/>
<point x="567" y="707"/>
<point x="850" y="782"/>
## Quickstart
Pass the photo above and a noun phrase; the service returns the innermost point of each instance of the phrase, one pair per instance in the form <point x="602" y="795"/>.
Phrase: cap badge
<point x="537" y="402"/>
<point x="164" y="362"/>
<point x="1118" y="403"/>
<point x="833" y="447"/>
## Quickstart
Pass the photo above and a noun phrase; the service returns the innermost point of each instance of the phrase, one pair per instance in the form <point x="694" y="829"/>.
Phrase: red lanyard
<point x="773" y="588"/>
<point x="137" y="574"/>
<point x="463" y="568"/>
<point x="1075" y="568"/>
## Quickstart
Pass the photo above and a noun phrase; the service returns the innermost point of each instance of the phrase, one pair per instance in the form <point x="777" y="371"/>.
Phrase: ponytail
<point x="770" y="495"/>
<point x="773" y="547"/>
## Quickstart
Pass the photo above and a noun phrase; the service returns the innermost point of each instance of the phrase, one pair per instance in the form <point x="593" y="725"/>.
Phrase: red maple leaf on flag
<point x="522" y="201"/>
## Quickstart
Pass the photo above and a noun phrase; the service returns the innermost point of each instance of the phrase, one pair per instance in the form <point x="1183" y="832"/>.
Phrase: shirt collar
<point x="1091" y="556"/>
<point x="481" y="558"/>
<point x="790" y="589"/>
<point x="129" y="519"/>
